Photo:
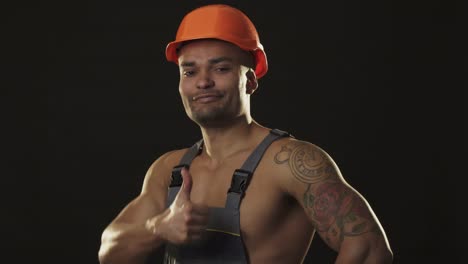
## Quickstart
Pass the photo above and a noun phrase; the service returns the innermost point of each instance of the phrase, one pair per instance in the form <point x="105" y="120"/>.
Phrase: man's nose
<point x="204" y="80"/>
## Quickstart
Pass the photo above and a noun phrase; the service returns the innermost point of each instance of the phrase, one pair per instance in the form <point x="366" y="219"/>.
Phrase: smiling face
<point x="216" y="80"/>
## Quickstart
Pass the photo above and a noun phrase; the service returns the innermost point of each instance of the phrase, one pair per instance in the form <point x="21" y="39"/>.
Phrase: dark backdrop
<point x="91" y="103"/>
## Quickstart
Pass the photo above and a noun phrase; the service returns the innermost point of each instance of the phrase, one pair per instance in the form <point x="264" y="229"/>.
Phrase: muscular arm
<point x="342" y="217"/>
<point x="127" y="239"/>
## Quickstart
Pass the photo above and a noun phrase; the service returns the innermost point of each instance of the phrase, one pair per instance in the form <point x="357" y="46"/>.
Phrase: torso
<point x="274" y="226"/>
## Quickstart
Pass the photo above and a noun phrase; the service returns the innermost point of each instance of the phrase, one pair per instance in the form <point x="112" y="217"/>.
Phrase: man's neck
<point x="223" y="142"/>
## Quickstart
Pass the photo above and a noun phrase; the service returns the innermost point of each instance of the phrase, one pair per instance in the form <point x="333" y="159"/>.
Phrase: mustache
<point x="207" y="94"/>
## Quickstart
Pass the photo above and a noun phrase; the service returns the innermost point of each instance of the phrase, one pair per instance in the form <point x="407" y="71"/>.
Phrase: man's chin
<point x="210" y="120"/>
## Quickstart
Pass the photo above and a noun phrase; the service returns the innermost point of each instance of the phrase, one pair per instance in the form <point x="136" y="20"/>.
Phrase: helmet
<point x="220" y="21"/>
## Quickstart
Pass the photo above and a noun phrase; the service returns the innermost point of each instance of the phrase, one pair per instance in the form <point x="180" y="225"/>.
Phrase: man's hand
<point x="183" y="221"/>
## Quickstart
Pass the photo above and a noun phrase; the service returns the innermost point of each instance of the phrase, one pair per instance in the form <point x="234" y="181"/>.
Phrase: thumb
<point x="186" y="188"/>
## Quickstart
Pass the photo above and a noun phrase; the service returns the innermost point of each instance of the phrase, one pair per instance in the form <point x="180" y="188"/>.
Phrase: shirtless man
<point x="245" y="193"/>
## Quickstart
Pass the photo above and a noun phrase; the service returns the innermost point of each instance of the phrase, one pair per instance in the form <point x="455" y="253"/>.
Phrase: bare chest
<point x="263" y="207"/>
<point x="210" y="187"/>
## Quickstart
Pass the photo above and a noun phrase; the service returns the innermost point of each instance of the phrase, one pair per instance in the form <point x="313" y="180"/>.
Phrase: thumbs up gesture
<point x="183" y="221"/>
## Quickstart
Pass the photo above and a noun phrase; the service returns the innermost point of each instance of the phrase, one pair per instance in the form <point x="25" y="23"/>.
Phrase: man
<point x="244" y="193"/>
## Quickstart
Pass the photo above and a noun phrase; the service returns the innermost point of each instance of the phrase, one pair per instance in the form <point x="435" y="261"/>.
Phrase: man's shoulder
<point x="291" y="155"/>
<point x="296" y="163"/>
<point x="292" y="144"/>
<point x="169" y="159"/>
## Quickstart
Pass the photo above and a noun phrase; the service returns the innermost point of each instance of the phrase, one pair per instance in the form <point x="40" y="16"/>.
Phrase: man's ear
<point x="252" y="82"/>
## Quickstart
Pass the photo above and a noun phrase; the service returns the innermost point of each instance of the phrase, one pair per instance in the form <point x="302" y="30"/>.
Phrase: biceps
<point x="338" y="211"/>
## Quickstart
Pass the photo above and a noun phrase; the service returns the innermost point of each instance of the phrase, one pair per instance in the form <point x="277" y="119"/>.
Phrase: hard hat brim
<point x="261" y="63"/>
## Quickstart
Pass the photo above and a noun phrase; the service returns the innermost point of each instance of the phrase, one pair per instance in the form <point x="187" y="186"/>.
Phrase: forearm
<point x="127" y="243"/>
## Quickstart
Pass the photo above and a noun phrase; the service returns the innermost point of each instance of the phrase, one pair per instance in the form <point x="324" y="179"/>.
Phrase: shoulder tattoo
<point x="307" y="164"/>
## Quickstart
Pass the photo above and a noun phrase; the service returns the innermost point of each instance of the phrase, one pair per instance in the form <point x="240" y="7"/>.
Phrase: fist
<point x="183" y="221"/>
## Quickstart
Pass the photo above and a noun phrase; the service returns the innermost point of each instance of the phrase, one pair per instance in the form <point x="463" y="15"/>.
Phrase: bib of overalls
<point x="222" y="241"/>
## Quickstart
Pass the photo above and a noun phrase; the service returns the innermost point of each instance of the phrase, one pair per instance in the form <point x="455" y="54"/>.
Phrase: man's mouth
<point x="206" y="97"/>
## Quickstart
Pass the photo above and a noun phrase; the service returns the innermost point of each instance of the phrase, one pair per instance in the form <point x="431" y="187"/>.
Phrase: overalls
<point x="222" y="242"/>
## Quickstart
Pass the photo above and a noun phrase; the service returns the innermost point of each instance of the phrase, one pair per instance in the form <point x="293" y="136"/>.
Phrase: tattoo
<point x="337" y="211"/>
<point x="307" y="164"/>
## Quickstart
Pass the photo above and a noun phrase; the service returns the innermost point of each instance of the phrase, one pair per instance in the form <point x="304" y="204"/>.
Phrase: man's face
<point x="214" y="81"/>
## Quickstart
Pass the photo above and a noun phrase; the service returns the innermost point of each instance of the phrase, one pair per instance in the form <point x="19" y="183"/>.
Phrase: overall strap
<point x="186" y="160"/>
<point x="176" y="178"/>
<point x="242" y="176"/>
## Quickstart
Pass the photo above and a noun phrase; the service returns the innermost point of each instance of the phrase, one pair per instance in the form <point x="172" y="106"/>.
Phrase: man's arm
<point x="128" y="239"/>
<point x="342" y="217"/>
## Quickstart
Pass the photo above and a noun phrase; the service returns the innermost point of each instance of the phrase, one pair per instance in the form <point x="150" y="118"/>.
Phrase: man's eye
<point x="188" y="73"/>
<point x="222" y="69"/>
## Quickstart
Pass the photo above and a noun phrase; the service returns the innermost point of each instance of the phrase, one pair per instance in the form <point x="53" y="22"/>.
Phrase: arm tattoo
<point x="307" y="164"/>
<point x="335" y="209"/>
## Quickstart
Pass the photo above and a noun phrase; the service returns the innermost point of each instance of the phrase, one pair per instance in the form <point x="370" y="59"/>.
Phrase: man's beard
<point x="213" y="117"/>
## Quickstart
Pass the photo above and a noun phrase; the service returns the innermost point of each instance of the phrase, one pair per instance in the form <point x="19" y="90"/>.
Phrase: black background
<point x="90" y="102"/>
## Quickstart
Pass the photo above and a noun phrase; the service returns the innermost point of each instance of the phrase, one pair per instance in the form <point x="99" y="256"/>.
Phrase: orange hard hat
<point x="220" y="21"/>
